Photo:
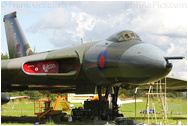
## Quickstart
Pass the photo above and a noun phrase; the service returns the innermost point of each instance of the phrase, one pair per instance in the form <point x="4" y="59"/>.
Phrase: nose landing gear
<point x="112" y="112"/>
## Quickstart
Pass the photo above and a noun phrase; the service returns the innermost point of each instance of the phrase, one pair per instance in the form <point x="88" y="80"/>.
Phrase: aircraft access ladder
<point x="161" y="97"/>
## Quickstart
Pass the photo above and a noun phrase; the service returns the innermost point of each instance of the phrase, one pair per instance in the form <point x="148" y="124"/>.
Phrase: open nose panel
<point x="66" y="65"/>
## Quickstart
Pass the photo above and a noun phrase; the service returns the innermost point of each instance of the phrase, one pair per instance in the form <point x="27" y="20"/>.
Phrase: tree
<point x="4" y="57"/>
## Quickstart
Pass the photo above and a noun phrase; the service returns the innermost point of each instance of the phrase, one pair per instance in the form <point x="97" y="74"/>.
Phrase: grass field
<point x="23" y="113"/>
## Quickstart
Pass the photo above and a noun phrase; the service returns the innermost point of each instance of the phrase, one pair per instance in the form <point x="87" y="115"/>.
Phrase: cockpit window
<point x="124" y="36"/>
<point x="132" y="35"/>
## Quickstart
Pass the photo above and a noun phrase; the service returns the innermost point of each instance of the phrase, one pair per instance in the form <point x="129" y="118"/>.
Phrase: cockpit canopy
<point x="123" y="36"/>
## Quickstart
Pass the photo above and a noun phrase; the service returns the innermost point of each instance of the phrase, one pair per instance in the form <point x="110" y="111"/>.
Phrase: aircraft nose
<point x="4" y="98"/>
<point x="144" y="61"/>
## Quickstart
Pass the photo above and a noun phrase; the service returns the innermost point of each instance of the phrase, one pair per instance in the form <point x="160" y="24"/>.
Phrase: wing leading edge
<point x="172" y="84"/>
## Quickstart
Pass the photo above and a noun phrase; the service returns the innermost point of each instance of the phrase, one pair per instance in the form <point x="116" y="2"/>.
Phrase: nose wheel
<point x="105" y="111"/>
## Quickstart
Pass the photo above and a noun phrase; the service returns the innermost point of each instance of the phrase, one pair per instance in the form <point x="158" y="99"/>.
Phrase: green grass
<point x="129" y="111"/>
<point x="27" y="117"/>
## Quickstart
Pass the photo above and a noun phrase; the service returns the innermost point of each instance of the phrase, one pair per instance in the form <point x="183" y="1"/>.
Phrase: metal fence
<point x="174" y="109"/>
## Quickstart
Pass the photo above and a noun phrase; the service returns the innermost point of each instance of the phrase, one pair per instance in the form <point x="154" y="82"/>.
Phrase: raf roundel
<point x="101" y="61"/>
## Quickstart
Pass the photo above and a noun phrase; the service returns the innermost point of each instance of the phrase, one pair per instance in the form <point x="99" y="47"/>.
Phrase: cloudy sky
<point x="54" y="25"/>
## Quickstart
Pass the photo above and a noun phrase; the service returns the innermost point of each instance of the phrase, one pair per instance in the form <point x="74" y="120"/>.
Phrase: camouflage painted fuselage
<point x="112" y="62"/>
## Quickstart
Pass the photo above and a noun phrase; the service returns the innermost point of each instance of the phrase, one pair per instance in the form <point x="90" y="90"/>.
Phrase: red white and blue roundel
<point x="101" y="61"/>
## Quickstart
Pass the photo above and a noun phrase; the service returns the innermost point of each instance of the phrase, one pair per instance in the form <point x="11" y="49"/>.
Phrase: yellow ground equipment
<point x="43" y="108"/>
<point x="65" y="106"/>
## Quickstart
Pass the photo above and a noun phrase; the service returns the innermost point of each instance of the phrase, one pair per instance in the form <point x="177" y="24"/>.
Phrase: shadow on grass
<point x="22" y="119"/>
<point x="33" y="119"/>
<point x="173" y="118"/>
<point x="178" y="118"/>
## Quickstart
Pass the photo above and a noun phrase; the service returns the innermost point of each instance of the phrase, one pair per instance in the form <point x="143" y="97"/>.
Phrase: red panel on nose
<point x="41" y="67"/>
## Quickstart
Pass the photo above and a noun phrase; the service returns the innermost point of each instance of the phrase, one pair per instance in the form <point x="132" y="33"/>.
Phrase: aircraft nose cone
<point x="145" y="62"/>
<point x="4" y="98"/>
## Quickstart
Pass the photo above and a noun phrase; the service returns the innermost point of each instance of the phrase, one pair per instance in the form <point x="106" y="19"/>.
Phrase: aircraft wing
<point x="18" y="97"/>
<point x="131" y="101"/>
<point x="172" y="84"/>
<point x="120" y="103"/>
<point x="5" y="98"/>
<point x="176" y="84"/>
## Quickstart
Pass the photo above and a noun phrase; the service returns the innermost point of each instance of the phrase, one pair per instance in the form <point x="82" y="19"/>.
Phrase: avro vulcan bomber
<point x="122" y="60"/>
